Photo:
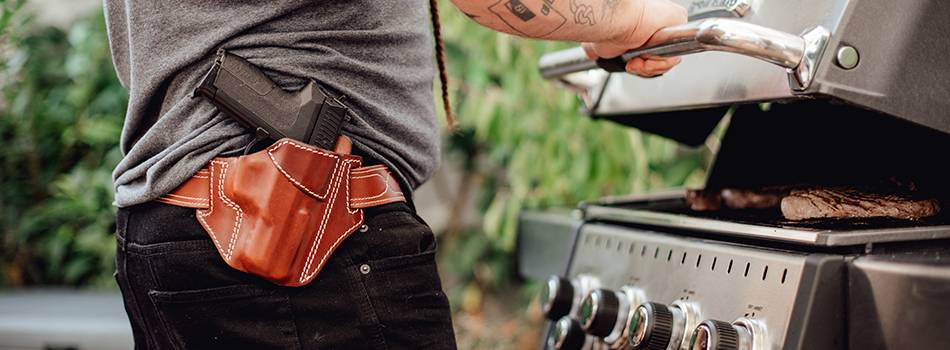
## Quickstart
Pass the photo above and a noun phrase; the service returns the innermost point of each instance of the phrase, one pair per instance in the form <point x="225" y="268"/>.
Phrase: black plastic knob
<point x="715" y="335"/>
<point x="650" y="327"/>
<point x="599" y="311"/>
<point x="557" y="295"/>
<point x="567" y="335"/>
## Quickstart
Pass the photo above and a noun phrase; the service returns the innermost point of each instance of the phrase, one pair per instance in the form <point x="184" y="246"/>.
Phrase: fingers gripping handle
<point x="613" y="65"/>
<point x="797" y="54"/>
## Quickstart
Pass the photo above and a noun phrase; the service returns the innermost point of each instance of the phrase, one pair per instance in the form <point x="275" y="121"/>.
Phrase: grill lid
<point x="881" y="55"/>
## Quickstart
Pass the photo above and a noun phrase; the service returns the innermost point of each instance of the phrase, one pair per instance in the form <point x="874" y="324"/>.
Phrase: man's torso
<point x="376" y="52"/>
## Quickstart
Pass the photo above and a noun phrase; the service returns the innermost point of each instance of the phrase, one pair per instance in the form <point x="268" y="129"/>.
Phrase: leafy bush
<point x="60" y="117"/>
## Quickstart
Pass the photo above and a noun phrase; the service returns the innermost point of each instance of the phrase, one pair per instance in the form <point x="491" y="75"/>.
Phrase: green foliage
<point x="60" y="118"/>
<point x="531" y="147"/>
<point x="8" y="9"/>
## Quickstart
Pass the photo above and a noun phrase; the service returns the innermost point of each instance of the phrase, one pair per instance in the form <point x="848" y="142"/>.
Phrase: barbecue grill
<point x="820" y="92"/>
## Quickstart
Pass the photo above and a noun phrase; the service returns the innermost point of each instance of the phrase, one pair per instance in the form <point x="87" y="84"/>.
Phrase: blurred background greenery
<point x="60" y="117"/>
<point x="521" y="144"/>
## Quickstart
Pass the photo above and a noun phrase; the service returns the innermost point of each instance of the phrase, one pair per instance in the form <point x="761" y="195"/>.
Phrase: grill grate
<point x="774" y="218"/>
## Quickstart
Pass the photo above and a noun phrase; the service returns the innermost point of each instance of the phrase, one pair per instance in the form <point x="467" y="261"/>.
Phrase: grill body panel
<point x="879" y="291"/>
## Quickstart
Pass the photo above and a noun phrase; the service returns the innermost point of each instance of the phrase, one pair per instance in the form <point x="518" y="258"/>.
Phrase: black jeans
<point x="379" y="290"/>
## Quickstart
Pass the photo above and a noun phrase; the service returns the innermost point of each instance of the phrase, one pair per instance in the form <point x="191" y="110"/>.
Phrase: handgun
<point x="242" y="91"/>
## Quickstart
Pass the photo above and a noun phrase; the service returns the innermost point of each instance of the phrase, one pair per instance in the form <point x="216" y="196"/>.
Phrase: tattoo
<point x="583" y="13"/>
<point x="546" y="7"/>
<point x="608" y="8"/>
<point x="525" y="21"/>
<point x="519" y="10"/>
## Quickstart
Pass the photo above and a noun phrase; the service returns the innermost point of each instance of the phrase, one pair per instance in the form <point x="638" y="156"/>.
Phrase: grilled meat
<point x="753" y="199"/>
<point x="735" y="198"/>
<point x="818" y="203"/>
<point x="703" y="200"/>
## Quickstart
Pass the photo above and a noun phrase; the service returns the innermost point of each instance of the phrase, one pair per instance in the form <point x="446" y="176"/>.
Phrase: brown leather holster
<point x="279" y="213"/>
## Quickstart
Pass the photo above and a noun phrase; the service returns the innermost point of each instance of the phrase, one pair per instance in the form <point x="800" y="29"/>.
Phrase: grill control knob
<point x="715" y="335"/>
<point x="651" y="327"/>
<point x="631" y="297"/>
<point x="603" y="313"/>
<point x="655" y="326"/>
<point x="599" y="312"/>
<point x="568" y="335"/>
<point x="557" y="296"/>
<point x="743" y="334"/>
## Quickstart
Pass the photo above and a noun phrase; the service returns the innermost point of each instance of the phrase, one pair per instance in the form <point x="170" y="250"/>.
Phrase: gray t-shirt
<point x="378" y="53"/>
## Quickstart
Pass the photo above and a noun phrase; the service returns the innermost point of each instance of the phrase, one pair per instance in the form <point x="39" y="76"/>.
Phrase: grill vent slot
<point x="608" y="245"/>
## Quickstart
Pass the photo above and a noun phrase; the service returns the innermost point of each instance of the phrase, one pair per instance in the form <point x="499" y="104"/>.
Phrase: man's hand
<point x="654" y="15"/>
<point x="608" y="27"/>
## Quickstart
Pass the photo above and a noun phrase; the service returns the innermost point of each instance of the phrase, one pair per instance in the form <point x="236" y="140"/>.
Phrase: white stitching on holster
<point x="381" y="201"/>
<point x="196" y="199"/>
<point x="240" y="212"/>
<point x="178" y="201"/>
<point x="270" y="153"/>
<point x="340" y="238"/>
<point x="385" y="190"/>
<point x="371" y="168"/>
<point x="335" y="178"/>
<point x="204" y="213"/>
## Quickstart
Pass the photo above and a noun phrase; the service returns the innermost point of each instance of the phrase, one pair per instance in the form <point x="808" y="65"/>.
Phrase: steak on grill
<point x="703" y="200"/>
<point x="753" y="199"/>
<point x="735" y="198"/>
<point x="839" y="203"/>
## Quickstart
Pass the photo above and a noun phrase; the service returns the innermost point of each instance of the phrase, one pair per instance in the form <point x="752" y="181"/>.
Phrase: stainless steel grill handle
<point x="799" y="55"/>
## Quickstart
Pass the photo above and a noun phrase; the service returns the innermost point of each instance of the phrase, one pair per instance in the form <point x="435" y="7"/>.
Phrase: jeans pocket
<point x="203" y="303"/>
<point x="390" y="235"/>
<point x="229" y="317"/>
<point x="189" y="265"/>
<point x="407" y="298"/>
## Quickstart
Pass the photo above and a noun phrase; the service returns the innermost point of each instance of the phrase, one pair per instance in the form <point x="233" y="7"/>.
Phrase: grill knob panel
<point x="557" y="297"/>
<point x="599" y="311"/>
<point x="651" y="327"/>
<point x="715" y="335"/>
<point x="567" y="335"/>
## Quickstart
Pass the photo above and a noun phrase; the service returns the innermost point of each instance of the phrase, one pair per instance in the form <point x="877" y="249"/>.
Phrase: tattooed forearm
<point x="577" y="20"/>
<point x="520" y="18"/>
<point x="583" y="13"/>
